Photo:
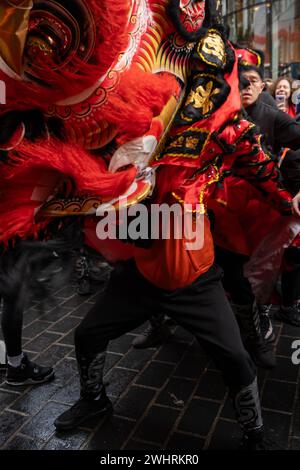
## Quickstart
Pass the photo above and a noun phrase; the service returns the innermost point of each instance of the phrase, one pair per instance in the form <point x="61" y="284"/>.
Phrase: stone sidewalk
<point x="168" y="398"/>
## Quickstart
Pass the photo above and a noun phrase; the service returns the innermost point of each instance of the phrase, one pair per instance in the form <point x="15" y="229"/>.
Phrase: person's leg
<point x="244" y="307"/>
<point x="203" y="309"/>
<point x="119" y="309"/>
<point x="20" y="370"/>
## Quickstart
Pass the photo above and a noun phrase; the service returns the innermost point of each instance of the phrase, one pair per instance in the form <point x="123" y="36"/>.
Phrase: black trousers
<point x="11" y="324"/>
<point x="290" y="279"/>
<point x="234" y="281"/>
<point x="201" y="308"/>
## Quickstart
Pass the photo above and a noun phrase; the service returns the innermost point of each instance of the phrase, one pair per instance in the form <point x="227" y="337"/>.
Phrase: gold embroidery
<point x="214" y="45"/>
<point x="178" y="142"/>
<point x="201" y="97"/>
<point x="191" y="143"/>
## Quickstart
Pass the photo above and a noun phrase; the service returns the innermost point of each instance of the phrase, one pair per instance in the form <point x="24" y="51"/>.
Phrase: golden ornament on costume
<point x="14" y="19"/>
<point x="212" y="49"/>
<point x="201" y="97"/>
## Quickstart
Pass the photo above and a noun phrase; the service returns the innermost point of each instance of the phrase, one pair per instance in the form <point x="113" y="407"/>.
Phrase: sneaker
<point x="289" y="314"/>
<point x="266" y="326"/>
<point x="82" y="411"/>
<point x="261" y="352"/>
<point x="152" y="336"/>
<point x="28" y="373"/>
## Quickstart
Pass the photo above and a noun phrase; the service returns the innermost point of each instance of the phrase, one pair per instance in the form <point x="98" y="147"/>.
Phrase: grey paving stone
<point x="35" y="398"/>
<point x="279" y="395"/>
<point x="42" y="342"/>
<point x="21" y="442"/>
<point x="6" y="399"/>
<point x="136" y="359"/>
<point x="205" y="411"/>
<point x="71" y="441"/>
<point x="191" y="366"/>
<point x="41" y="425"/>
<point x="74" y="301"/>
<point x="120" y="345"/>
<point x="134" y="404"/>
<point x="155" y="375"/>
<point x="277" y="427"/>
<point x="66" y="292"/>
<point x="171" y="351"/>
<point x="82" y="310"/>
<point x="228" y="410"/>
<point x="65" y="325"/>
<point x="284" y="346"/>
<point x="296" y="416"/>
<point x="35" y="328"/>
<point x="180" y="442"/>
<point x="136" y="445"/>
<point x="226" y="436"/>
<point x="176" y="392"/>
<point x="56" y="314"/>
<point x="118" y="380"/>
<point x="9" y="424"/>
<point x="30" y="316"/>
<point x="211" y="386"/>
<point x="285" y="370"/>
<point x="111" y="360"/>
<point x="67" y="339"/>
<point x="69" y="393"/>
<point x="112" y="434"/>
<point x="157" y="424"/>
<point x="290" y="330"/>
<point x="295" y="444"/>
<point x="53" y="354"/>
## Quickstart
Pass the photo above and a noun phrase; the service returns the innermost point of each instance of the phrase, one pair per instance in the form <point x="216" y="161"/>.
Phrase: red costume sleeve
<point x="257" y="166"/>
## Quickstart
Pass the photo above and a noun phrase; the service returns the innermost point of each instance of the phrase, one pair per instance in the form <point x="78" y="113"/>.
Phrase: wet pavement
<point x="170" y="397"/>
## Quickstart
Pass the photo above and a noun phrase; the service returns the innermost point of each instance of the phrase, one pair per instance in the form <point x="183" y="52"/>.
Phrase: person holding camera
<point x="282" y="91"/>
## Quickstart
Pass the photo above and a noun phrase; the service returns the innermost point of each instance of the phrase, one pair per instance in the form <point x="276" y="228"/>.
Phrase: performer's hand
<point x="296" y="205"/>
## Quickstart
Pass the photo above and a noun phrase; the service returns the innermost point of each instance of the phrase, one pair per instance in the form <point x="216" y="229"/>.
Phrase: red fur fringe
<point x="37" y="162"/>
<point x="139" y="97"/>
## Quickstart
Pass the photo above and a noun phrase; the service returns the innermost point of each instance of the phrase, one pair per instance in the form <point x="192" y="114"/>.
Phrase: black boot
<point x="260" y="351"/>
<point x="93" y="400"/>
<point x="248" y="412"/>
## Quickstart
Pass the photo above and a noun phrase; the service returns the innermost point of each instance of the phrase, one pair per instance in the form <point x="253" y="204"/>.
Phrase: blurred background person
<point x="282" y="92"/>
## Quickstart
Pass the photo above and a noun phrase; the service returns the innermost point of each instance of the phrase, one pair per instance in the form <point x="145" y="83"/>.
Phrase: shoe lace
<point x="265" y="309"/>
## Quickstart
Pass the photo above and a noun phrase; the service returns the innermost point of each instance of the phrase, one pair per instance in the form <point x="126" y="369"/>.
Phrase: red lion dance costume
<point x="138" y="88"/>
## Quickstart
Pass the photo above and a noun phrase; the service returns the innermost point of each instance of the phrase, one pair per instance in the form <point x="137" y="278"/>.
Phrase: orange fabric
<point x="169" y="265"/>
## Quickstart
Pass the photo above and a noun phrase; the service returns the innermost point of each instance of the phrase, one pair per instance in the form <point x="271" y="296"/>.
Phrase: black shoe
<point x="28" y="373"/>
<point x="261" y="352"/>
<point x="266" y="326"/>
<point x="81" y="411"/>
<point x="255" y="440"/>
<point x="152" y="336"/>
<point x="289" y="314"/>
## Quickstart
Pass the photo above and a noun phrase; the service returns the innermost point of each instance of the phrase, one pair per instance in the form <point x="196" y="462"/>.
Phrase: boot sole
<point x="69" y="427"/>
<point x="48" y="378"/>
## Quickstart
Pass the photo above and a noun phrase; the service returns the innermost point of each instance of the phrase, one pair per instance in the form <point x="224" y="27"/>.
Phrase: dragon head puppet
<point x="93" y="87"/>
